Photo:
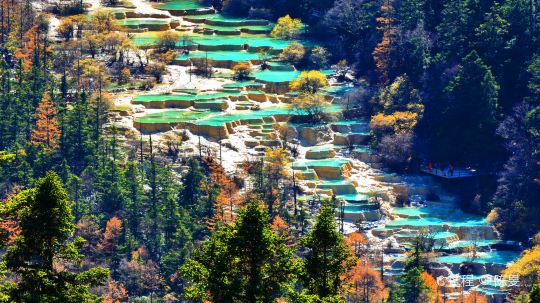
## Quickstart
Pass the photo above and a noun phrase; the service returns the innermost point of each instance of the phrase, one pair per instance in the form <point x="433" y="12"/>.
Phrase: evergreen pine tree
<point x="191" y="192"/>
<point x="245" y="262"/>
<point x="467" y="125"/>
<point x="136" y="200"/>
<point x="534" y="295"/>
<point x="327" y="258"/>
<point x="411" y="284"/>
<point x="46" y="231"/>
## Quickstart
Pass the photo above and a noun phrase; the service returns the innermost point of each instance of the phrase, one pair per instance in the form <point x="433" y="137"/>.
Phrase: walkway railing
<point x="451" y="174"/>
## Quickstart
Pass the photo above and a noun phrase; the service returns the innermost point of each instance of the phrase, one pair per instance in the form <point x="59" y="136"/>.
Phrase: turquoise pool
<point x="180" y="5"/>
<point x="499" y="257"/>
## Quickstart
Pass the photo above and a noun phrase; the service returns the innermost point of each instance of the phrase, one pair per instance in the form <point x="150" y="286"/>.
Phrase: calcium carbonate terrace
<point x="238" y="56"/>
<point x="180" y="5"/>
<point x="499" y="257"/>
<point x="222" y="20"/>
<point x="173" y="116"/>
<point x="141" y="21"/>
<point x="216" y="42"/>
<point x="184" y="97"/>
<point x="324" y="169"/>
<point x="253" y="29"/>
<point x="217" y="117"/>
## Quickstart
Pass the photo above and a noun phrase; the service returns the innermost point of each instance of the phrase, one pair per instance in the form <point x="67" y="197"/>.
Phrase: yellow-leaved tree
<point x="527" y="267"/>
<point x="397" y="122"/>
<point x="309" y="82"/>
<point x="287" y="28"/>
<point x="311" y="106"/>
<point x="293" y="53"/>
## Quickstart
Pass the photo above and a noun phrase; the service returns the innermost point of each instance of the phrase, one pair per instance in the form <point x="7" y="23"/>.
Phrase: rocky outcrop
<point x="369" y="215"/>
<point x="257" y="96"/>
<point x="321" y="152"/>
<point x="366" y="156"/>
<point x="315" y="135"/>
<point x="276" y="87"/>
<point x="351" y="138"/>
<point x="349" y="127"/>
<point x="486" y="232"/>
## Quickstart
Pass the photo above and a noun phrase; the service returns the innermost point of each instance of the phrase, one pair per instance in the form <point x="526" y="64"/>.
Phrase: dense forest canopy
<point x="93" y="212"/>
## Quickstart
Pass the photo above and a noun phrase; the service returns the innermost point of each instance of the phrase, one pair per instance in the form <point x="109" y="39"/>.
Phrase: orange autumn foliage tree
<point x="142" y="272"/>
<point x="46" y="132"/>
<point x="471" y="297"/>
<point x="279" y="225"/>
<point x="89" y="230"/>
<point x="227" y="200"/>
<point x="363" y="283"/>
<point x="356" y="241"/>
<point x="29" y="46"/>
<point x="116" y="293"/>
<point x="282" y="229"/>
<point x="432" y="295"/>
<point x="33" y="47"/>
<point x="112" y="233"/>
<point x="476" y="297"/>
<point x="9" y="227"/>
<point x="383" y="50"/>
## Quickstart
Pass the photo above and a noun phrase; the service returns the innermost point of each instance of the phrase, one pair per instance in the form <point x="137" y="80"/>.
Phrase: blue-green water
<point x="499" y="257"/>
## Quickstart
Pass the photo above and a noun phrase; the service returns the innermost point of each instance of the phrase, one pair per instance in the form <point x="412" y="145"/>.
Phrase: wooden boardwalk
<point x="458" y="172"/>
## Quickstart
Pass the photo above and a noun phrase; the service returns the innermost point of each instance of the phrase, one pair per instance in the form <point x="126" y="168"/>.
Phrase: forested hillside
<point x="269" y="150"/>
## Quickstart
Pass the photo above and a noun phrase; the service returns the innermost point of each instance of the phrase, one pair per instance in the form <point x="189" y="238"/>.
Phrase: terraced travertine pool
<point x="216" y="118"/>
<point x="141" y="21"/>
<point x="223" y="20"/>
<point x="242" y="84"/>
<point x="180" y="5"/>
<point x="276" y="75"/>
<point x="500" y="257"/>
<point x="240" y="41"/>
<point x="357" y="197"/>
<point x="333" y="173"/>
<point x="242" y="115"/>
<point x="280" y="76"/>
<point x="173" y="116"/>
<point x="320" y="163"/>
<point x="267" y="28"/>
<point x="421" y="211"/>
<point x="184" y="97"/>
<point x="239" y="56"/>
<point x="435" y="221"/>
